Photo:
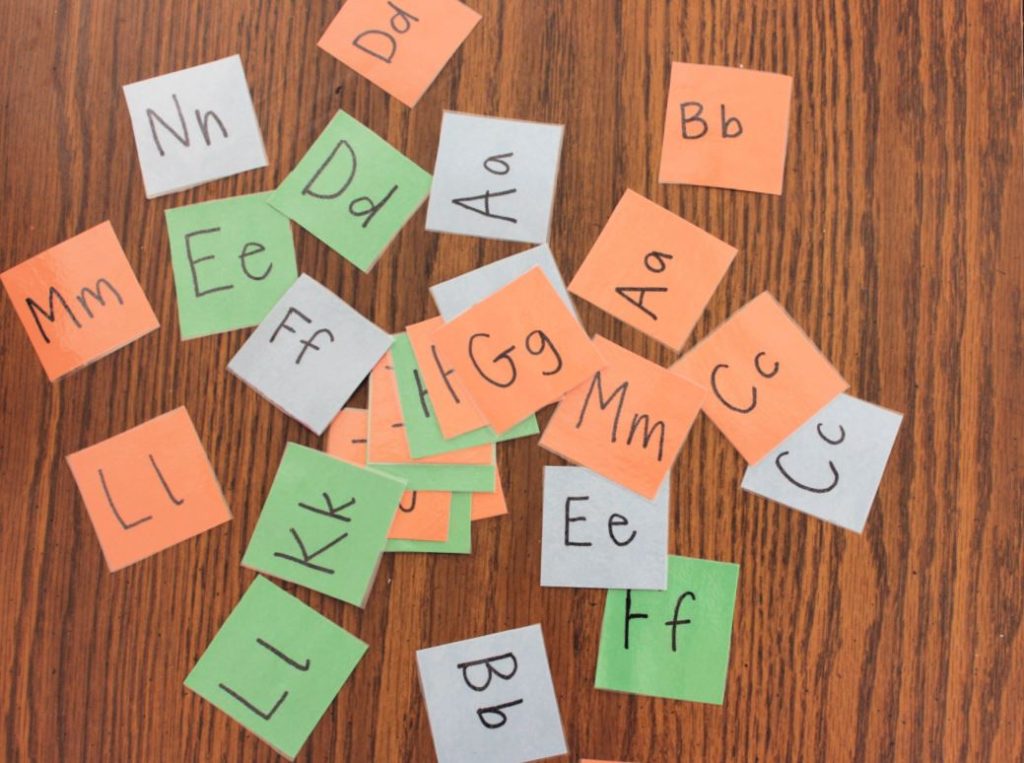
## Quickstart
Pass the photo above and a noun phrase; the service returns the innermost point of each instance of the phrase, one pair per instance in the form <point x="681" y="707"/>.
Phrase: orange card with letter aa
<point x="148" y="488"/>
<point x="400" y="46"/>
<point x="627" y="422"/>
<point x="518" y="350"/>
<point x="79" y="301"/>
<point x="764" y="376"/>
<point x="652" y="269"/>
<point x="422" y="514"/>
<point x="726" y="127"/>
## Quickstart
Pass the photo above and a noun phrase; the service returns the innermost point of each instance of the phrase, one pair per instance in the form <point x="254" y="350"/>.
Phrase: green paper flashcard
<point x="459" y="541"/>
<point x="353" y="190"/>
<point x="672" y="643"/>
<point x="233" y="259"/>
<point x="421" y="426"/>
<point x="324" y="524"/>
<point x="275" y="666"/>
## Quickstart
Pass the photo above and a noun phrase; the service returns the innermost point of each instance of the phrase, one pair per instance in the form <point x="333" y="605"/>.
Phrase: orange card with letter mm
<point x="726" y="127"/>
<point x="518" y="350"/>
<point x="764" y="376"/>
<point x="652" y="269"/>
<point x="148" y="488"/>
<point x="627" y="422"/>
<point x="401" y="45"/>
<point x="422" y="514"/>
<point x="79" y="301"/>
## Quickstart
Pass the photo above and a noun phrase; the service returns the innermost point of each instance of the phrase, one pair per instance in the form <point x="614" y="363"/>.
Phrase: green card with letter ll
<point x="672" y="643"/>
<point x="232" y="260"/>
<point x="275" y="666"/>
<point x="324" y="524"/>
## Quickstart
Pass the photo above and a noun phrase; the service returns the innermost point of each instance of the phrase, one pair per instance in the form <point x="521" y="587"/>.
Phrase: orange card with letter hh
<point x="422" y="514"/>
<point x="148" y="488"/>
<point x="627" y="422"/>
<point x="652" y="269"/>
<point x="79" y="301"/>
<point x="764" y="376"/>
<point x="518" y="350"/>
<point x="401" y="45"/>
<point x="726" y="127"/>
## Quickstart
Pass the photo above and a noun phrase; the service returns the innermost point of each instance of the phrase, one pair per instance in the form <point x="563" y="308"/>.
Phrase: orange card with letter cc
<point x="518" y="350"/>
<point x="764" y="376"/>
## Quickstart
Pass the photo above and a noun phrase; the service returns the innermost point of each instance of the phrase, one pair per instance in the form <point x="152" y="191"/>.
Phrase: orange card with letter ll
<point x="518" y="350"/>
<point x="79" y="301"/>
<point x="726" y="127"/>
<point x="422" y="514"/>
<point x="627" y="422"/>
<point x="148" y="488"/>
<point x="764" y="376"/>
<point x="652" y="269"/>
<point x="401" y="45"/>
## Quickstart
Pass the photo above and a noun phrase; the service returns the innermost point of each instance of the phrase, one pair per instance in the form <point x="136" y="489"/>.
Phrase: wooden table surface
<point x="896" y="245"/>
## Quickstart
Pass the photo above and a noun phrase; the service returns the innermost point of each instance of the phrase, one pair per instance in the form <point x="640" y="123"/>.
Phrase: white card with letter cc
<point x="830" y="467"/>
<point x="491" y="698"/>
<point x="494" y="178"/>
<point x="194" y="125"/>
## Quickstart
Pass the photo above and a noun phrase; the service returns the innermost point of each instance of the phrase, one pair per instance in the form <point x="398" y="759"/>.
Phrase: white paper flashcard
<point x="462" y="292"/>
<point x="830" y="467"/>
<point x="194" y="125"/>
<point x="494" y="178"/>
<point x="597" y="534"/>
<point x="491" y="698"/>
<point x="310" y="353"/>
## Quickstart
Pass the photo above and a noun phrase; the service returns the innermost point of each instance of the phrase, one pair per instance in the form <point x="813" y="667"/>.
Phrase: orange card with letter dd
<point x="518" y="350"/>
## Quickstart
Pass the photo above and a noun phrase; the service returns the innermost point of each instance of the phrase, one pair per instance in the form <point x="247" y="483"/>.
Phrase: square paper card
<point x="518" y="350"/>
<point x="79" y="301"/>
<point x="494" y="178"/>
<point x="310" y="353"/>
<point x="600" y="535"/>
<point x="324" y="524"/>
<point x="726" y="127"/>
<point x="399" y="45"/>
<point x="491" y="698"/>
<point x="764" y="376"/>
<point x="627" y="422"/>
<point x="830" y="467"/>
<point x="653" y="270"/>
<point x="275" y="666"/>
<point x="148" y="488"/>
<point x="352" y="190"/>
<point x="232" y="259"/>
<point x="194" y="125"/>
<point x="672" y="643"/>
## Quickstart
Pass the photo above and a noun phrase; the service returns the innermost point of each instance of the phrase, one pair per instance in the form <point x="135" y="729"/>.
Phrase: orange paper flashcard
<point x="518" y="350"/>
<point x="456" y="413"/>
<point x="652" y="269"/>
<point x="79" y="301"/>
<point x="764" y="376"/>
<point x="148" y="488"/>
<point x="726" y="127"/>
<point x="627" y="422"/>
<point x="402" y="45"/>
<point x="487" y="505"/>
<point x="422" y="514"/>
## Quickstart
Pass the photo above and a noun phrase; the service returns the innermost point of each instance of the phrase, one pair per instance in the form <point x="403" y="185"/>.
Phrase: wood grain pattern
<point x="896" y="245"/>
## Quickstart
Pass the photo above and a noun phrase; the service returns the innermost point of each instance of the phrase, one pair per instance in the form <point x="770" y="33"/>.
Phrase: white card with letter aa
<point x="597" y="534"/>
<point x="830" y="467"/>
<point x="194" y="125"/>
<point x="310" y="353"/>
<point x="494" y="178"/>
<point x="491" y="698"/>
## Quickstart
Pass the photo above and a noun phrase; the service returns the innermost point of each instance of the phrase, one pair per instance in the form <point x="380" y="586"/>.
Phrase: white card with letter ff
<point x="830" y="467"/>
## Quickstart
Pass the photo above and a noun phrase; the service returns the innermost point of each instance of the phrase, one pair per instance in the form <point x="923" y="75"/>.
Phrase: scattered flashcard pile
<point x="415" y="469"/>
